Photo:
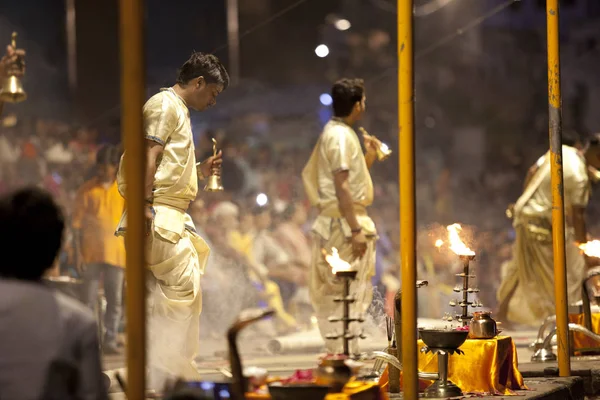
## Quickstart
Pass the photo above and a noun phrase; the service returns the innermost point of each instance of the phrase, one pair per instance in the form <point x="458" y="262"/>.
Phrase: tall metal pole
<point x="133" y="83"/>
<point x="233" y="40"/>
<point x="558" y="205"/>
<point x="406" y="165"/>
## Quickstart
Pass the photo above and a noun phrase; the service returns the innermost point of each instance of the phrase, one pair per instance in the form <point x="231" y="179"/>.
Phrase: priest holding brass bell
<point x="12" y="68"/>
<point x="176" y="254"/>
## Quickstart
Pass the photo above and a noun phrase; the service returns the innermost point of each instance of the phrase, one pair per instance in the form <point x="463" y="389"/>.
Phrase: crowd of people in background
<point x="259" y="227"/>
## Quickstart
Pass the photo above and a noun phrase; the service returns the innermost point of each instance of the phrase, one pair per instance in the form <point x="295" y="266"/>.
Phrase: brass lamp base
<point x="442" y="389"/>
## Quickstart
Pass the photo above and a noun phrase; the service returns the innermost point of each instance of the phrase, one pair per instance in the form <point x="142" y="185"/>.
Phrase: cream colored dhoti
<point x="325" y="286"/>
<point x="526" y="295"/>
<point x="174" y="305"/>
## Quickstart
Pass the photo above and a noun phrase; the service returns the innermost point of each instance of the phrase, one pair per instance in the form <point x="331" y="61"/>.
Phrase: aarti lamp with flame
<point x="343" y="270"/>
<point x="467" y="255"/>
<point x="590" y="286"/>
<point x="456" y="244"/>
<point x="592" y="282"/>
<point x="339" y="267"/>
<point x="591" y="248"/>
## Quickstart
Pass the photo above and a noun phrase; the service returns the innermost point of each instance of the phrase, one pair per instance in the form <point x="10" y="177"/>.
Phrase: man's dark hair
<point x="289" y="211"/>
<point x="108" y="155"/>
<point x="571" y="137"/>
<point x="258" y="210"/>
<point x="31" y="234"/>
<point x="345" y="94"/>
<point x="205" y="65"/>
<point x="594" y="140"/>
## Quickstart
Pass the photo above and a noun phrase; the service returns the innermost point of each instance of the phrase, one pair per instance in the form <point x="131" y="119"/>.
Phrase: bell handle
<point x="364" y="132"/>
<point x="214" y="147"/>
<point x="13" y="44"/>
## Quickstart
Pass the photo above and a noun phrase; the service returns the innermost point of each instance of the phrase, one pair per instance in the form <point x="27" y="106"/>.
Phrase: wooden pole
<point x="71" y="28"/>
<point x="558" y="205"/>
<point x="132" y="100"/>
<point x="233" y="40"/>
<point x="406" y="166"/>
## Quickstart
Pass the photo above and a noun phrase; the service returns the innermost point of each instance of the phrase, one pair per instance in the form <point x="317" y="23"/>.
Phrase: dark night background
<point x="480" y="76"/>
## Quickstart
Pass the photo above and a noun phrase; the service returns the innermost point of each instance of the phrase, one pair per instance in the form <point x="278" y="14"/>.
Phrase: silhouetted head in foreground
<point x="31" y="235"/>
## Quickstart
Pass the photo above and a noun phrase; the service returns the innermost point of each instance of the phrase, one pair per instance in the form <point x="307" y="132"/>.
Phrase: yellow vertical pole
<point x="132" y="100"/>
<point x="406" y="166"/>
<point x="558" y="205"/>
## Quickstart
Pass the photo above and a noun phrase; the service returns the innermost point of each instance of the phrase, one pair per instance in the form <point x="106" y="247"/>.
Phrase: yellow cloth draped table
<point x="488" y="366"/>
<point x="354" y="390"/>
<point x="580" y="341"/>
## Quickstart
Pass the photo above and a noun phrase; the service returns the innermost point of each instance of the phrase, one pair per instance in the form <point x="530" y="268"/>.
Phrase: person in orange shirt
<point x="98" y="252"/>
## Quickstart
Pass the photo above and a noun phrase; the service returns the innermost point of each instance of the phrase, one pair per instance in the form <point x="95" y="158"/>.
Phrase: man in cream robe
<point x="337" y="182"/>
<point x="175" y="253"/>
<point x="526" y="294"/>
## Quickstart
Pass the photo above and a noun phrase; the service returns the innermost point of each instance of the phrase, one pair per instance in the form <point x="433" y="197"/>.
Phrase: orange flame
<point x="335" y="262"/>
<point x="456" y="244"/>
<point x="591" y="249"/>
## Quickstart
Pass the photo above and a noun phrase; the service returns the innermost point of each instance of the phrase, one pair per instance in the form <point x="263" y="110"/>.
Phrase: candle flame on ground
<point x="591" y="249"/>
<point x="335" y="262"/>
<point x="456" y="244"/>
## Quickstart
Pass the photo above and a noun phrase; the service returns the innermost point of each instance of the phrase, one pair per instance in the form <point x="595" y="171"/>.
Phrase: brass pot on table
<point x="482" y="326"/>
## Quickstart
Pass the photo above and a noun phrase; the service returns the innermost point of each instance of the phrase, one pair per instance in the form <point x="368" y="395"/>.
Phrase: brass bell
<point x="12" y="88"/>
<point x="383" y="152"/>
<point x="213" y="182"/>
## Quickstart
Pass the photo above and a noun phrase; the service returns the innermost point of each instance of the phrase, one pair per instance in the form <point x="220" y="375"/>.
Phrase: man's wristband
<point x="358" y="230"/>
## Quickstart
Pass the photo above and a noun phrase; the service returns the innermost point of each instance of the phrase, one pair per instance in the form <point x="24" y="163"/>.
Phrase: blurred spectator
<point x="293" y="239"/>
<point x="48" y="341"/>
<point x="99" y="253"/>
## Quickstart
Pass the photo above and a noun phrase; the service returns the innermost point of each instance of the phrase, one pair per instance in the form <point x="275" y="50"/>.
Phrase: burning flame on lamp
<point x="456" y="244"/>
<point x="335" y="262"/>
<point x="591" y="249"/>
